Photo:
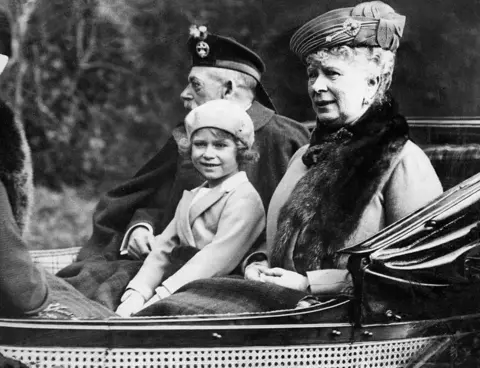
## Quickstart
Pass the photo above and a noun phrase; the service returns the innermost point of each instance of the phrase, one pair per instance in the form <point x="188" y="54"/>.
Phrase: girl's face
<point x="214" y="155"/>
<point x="339" y="88"/>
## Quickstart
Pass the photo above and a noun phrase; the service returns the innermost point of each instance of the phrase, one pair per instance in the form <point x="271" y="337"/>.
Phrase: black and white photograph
<point x="239" y="183"/>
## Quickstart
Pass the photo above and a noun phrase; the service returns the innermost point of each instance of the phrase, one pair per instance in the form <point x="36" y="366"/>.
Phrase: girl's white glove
<point x="132" y="302"/>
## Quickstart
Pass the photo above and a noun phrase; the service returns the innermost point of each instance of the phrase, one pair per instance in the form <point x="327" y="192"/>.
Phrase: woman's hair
<point x="375" y="60"/>
<point x="244" y="155"/>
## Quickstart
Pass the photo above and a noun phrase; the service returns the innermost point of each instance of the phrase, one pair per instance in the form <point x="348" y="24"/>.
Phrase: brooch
<point x="351" y="27"/>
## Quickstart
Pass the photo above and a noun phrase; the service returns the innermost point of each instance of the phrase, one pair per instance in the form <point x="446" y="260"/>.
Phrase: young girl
<point x="214" y="224"/>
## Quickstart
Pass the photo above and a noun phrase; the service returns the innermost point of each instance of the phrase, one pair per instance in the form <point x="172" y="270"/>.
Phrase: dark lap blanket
<point x="101" y="280"/>
<point x="222" y="295"/>
<point x="66" y="303"/>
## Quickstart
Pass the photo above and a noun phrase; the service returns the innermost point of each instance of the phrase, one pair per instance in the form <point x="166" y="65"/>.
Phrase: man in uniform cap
<point x="128" y="216"/>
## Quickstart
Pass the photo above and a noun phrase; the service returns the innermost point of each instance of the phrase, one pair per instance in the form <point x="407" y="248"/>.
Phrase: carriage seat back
<point x="454" y="163"/>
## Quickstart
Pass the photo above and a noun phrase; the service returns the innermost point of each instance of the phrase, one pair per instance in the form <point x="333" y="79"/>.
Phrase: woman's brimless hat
<point x="210" y="50"/>
<point x="372" y="23"/>
<point x="224" y="115"/>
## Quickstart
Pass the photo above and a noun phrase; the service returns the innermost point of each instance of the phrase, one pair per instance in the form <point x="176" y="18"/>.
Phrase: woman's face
<point x="340" y="89"/>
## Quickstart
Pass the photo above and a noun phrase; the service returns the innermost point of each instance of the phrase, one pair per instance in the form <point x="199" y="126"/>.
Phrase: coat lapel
<point x="189" y="212"/>
<point x="183" y="223"/>
<point x="260" y="115"/>
<point x="204" y="203"/>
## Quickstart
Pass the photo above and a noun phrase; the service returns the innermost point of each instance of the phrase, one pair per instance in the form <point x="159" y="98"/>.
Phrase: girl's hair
<point x="244" y="155"/>
<point x="375" y="60"/>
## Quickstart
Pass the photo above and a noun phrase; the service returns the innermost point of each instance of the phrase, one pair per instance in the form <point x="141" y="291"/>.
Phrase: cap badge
<point x="351" y="27"/>
<point x="202" y="49"/>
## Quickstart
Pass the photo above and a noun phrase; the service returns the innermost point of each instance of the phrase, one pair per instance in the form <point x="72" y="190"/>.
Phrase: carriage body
<point x="304" y="337"/>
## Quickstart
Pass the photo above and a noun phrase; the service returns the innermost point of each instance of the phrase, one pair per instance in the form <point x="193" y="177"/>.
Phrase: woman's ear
<point x="373" y="84"/>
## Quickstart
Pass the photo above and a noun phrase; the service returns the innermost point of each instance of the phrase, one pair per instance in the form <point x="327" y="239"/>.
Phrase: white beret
<point x="224" y="115"/>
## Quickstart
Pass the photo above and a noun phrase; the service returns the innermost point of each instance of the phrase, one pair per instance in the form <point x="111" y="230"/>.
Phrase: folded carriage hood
<point x="454" y="203"/>
<point x="436" y="246"/>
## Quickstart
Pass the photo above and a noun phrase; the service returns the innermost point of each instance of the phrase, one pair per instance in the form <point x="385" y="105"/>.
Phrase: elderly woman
<point x="360" y="172"/>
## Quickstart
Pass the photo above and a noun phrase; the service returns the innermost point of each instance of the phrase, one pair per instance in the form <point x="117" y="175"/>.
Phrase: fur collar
<point x="345" y="169"/>
<point x="15" y="167"/>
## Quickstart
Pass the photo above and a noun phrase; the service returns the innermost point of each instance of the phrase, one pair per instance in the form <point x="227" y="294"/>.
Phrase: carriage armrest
<point x="53" y="260"/>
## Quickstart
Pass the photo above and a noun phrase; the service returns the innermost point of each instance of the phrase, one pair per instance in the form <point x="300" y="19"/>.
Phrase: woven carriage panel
<point x="57" y="357"/>
<point x="360" y="355"/>
<point x="53" y="260"/>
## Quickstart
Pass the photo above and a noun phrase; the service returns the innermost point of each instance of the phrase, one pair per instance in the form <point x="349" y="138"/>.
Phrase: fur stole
<point x="16" y="167"/>
<point x="345" y="170"/>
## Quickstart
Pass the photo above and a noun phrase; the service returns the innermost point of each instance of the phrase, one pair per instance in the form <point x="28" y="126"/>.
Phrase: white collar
<point x="231" y="183"/>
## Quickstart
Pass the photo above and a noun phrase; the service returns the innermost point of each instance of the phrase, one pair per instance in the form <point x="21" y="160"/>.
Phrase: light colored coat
<point x="410" y="183"/>
<point x="223" y="225"/>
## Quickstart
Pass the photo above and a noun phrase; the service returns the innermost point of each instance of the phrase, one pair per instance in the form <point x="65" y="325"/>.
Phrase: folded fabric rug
<point x="223" y="295"/>
<point x="101" y="280"/>
<point x="68" y="303"/>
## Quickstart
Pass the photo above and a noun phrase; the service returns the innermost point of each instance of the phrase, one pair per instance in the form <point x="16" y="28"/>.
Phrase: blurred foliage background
<point x="96" y="82"/>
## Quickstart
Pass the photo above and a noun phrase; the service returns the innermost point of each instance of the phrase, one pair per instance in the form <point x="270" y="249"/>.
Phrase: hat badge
<point x="351" y="27"/>
<point x="202" y="49"/>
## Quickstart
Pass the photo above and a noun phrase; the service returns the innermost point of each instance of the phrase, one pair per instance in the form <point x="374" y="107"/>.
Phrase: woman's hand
<point x="140" y="242"/>
<point x="132" y="302"/>
<point x="285" y="278"/>
<point x="254" y="270"/>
